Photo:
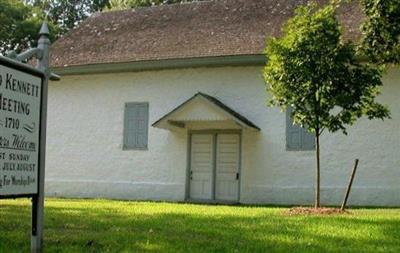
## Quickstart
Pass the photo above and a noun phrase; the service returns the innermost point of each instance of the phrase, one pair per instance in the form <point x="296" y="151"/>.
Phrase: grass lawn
<point x="118" y="226"/>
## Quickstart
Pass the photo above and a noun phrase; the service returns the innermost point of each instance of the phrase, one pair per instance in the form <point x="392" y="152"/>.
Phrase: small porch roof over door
<point x="203" y="109"/>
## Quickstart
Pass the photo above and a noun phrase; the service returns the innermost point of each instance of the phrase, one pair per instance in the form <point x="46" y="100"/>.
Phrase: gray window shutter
<point x="136" y="125"/>
<point x="297" y="138"/>
<point x="293" y="133"/>
<point x="308" y="140"/>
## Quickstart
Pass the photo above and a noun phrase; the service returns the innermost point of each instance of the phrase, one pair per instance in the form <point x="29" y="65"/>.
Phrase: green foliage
<point x="75" y="226"/>
<point x="21" y="19"/>
<point x="68" y="13"/>
<point x="19" y="26"/>
<point x="126" y="4"/>
<point x="314" y="71"/>
<point x="381" y="31"/>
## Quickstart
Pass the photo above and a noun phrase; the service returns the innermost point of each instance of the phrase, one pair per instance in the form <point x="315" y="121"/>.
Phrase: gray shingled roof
<point x="199" y="29"/>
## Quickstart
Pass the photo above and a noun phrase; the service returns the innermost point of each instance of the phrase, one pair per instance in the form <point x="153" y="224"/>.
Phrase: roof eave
<point x="218" y="105"/>
<point x="212" y="61"/>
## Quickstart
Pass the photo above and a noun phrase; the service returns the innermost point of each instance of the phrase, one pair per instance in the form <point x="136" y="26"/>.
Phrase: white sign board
<point x="20" y="104"/>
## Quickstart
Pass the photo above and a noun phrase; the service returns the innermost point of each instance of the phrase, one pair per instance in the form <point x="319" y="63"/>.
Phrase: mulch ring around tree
<point x="323" y="211"/>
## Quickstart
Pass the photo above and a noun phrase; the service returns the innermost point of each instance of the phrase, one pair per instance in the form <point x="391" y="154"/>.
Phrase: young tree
<point x="313" y="70"/>
<point x="381" y="31"/>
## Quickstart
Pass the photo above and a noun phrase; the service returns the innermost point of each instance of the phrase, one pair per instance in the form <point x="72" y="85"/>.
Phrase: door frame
<point x="188" y="166"/>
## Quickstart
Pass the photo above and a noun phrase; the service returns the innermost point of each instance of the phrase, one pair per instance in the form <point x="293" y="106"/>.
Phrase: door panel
<point x="201" y="166"/>
<point x="227" y="167"/>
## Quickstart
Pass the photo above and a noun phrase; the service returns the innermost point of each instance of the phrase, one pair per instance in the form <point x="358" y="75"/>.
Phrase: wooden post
<point x="38" y="200"/>
<point x="349" y="186"/>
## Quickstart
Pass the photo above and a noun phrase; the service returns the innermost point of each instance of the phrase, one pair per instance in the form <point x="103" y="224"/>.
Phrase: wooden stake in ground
<point x="349" y="186"/>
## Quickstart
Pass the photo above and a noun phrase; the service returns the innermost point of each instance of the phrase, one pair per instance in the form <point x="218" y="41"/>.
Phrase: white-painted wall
<point x="85" y="133"/>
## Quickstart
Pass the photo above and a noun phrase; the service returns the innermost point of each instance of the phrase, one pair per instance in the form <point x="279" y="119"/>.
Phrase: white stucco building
<point x="169" y="103"/>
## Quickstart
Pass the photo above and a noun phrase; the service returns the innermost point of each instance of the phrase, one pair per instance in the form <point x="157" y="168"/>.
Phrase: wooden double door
<point x="214" y="167"/>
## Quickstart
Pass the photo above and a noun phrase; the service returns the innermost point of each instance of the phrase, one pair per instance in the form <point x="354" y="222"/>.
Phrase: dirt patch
<point x="314" y="211"/>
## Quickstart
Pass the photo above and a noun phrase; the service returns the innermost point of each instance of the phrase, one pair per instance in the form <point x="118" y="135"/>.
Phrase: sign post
<point x="38" y="200"/>
<point x="23" y="111"/>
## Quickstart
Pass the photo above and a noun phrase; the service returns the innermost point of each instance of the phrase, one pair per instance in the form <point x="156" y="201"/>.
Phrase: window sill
<point x="135" y="149"/>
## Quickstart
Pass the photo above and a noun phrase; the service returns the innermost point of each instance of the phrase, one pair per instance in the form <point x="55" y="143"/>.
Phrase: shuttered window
<point x="297" y="138"/>
<point x="136" y="121"/>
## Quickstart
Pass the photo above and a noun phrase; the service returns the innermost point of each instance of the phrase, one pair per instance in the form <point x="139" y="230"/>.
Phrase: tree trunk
<point x="318" y="172"/>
